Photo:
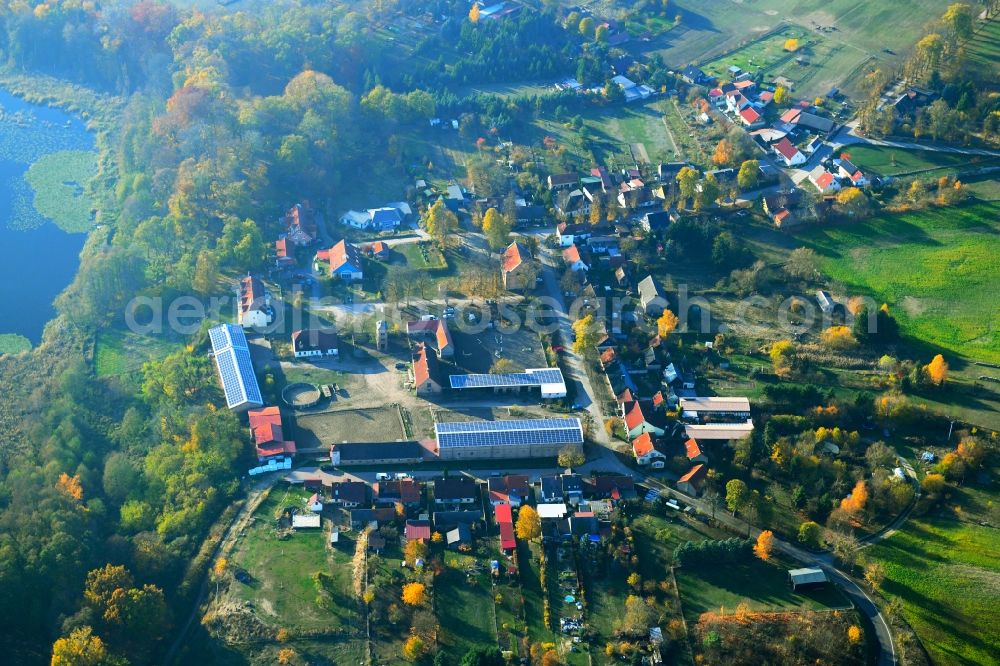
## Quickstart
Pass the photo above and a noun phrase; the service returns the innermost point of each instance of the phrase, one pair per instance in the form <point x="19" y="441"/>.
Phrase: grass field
<point x="422" y="256"/>
<point x="984" y="50"/>
<point x="935" y="268"/>
<point x="283" y="590"/>
<point x="708" y="29"/>
<point x="945" y="569"/>
<point x="763" y="586"/>
<point x="464" y="606"/>
<point x="885" y="161"/>
<point x="120" y="354"/>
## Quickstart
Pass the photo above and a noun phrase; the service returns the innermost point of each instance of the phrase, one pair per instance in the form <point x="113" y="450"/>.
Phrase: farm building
<point x="255" y="304"/>
<point x="376" y="453"/>
<point x="314" y="342"/>
<point x="715" y="410"/>
<point x="268" y="435"/>
<point x="524" y="438"/>
<point x="232" y="360"/>
<point x="804" y="579"/>
<point x="549" y="381"/>
<point x="719" y="432"/>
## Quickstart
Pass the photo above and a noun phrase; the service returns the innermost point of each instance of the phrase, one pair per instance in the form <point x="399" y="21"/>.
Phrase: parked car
<point x="401" y="366"/>
<point x="382" y="476"/>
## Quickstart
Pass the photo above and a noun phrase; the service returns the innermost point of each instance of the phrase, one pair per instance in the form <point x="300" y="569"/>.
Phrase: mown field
<point x="937" y="270"/>
<point x="709" y="29"/>
<point x="944" y="567"/>
<point x="984" y="50"/>
<point x="885" y="161"/>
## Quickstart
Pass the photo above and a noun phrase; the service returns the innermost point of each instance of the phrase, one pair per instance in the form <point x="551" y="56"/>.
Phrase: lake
<point x="40" y="258"/>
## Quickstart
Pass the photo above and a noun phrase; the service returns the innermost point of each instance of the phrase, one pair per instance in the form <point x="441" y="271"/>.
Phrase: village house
<point x="426" y="373"/>
<point x="349" y="494"/>
<point x="314" y="342"/>
<point x="845" y="169"/>
<point x="715" y="409"/>
<point x="694" y="453"/>
<point x="432" y="331"/>
<point x="300" y="225"/>
<point x="255" y="309"/>
<point x="512" y="489"/>
<point x="562" y="181"/>
<point x="645" y="452"/>
<point x="459" y="537"/>
<point x="283" y="259"/>
<point x="614" y="487"/>
<point x="657" y="222"/>
<point x="637" y="417"/>
<point x="823" y="180"/>
<point x="344" y="260"/>
<point x="692" y="482"/>
<point x="455" y="491"/>
<point x="517" y="268"/>
<point x="695" y="77"/>
<point x="398" y="491"/>
<point x="651" y="299"/>
<point x="787" y="151"/>
<point x="386" y="218"/>
<point x="362" y="518"/>
<point x="417" y="530"/>
<point x="574" y="261"/>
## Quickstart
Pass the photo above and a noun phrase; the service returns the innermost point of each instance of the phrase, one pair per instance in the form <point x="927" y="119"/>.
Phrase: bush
<point x="697" y="554"/>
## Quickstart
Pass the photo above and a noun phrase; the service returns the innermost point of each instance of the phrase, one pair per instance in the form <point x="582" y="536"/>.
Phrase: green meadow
<point x="936" y="268"/>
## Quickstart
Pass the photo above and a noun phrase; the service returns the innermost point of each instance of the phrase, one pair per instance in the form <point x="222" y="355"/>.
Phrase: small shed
<point x="804" y="579"/>
<point x="334" y="536"/>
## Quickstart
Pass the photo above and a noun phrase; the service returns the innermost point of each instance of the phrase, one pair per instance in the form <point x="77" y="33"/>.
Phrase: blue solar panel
<point x="522" y="431"/>
<point x="232" y="358"/>
<point x="508" y="379"/>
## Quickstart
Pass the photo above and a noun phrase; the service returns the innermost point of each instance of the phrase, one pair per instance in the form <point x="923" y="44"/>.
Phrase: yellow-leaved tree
<point x="765" y="545"/>
<point x="529" y="525"/>
<point x="791" y="44"/>
<point x="855" y="502"/>
<point x="474" y="13"/>
<point x="666" y="324"/>
<point x="80" y="648"/>
<point x="937" y="370"/>
<point x="414" y="594"/>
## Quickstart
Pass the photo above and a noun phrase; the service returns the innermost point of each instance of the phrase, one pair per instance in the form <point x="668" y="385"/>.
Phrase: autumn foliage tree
<point x="415" y="550"/>
<point x="414" y="648"/>
<point x="666" y="324"/>
<point x="529" y="525"/>
<point x="839" y="338"/>
<point x="70" y="486"/>
<point x="414" y="594"/>
<point x="764" y="546"/>
<point x="937" y="370"/>
<point x="474" y="13"/>
<point x="854" y="503"/>
<point x="81" y="648"/>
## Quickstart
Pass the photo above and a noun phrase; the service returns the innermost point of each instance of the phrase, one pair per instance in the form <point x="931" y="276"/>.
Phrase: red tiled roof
<point x="503" y="514"/>
<point x="343" y="253"/>
<point x="749" y="114"/>
<point x="692" y="448"/>
<point x="786" y="148"/>
<point x="417" y="529"/>
<point x="791" y="115"/>
<point x="269" y="439"/>
<point x="658" y="399"/>
<point x="512" y="257"/>
<point x="642" y="445"/>
<point x="378" y="247"/>
<point x="766" y="96"/>
<point x="694" y="474"/>
<point x="746" y="83"/>
<point x="782" y="215"/>
<point x="251" y="293"/>
<point x="824" y="180"/>
<point x="281" y="248"/>
<point x="633" y="415"/>
<point x="507" y="541"/>
<point x="443" y="336"/>
<point x="571" y="254"/>
<point x="424" y="365"/>
<point x="625" y="396"/>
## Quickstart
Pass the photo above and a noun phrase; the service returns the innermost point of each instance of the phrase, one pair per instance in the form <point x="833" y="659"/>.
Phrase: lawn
<point x="121" y="354"/>
<point x="935" y="268"/>
<point x="464" y="605"/>
<point x="766" y="54"/>
<point x="763" y="586"/>
<point x="944" y="568"/>
<point x="422" y="256"/>
<point x="885" y="161"/>
<point x="283" y="590"/>
<point x="984" y="49"/>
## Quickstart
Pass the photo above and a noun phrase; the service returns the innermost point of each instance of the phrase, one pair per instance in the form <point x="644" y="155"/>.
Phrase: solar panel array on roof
<point x="516" y="432"/>
<point x="232" y="359"/>
<point x="506" y="379"/>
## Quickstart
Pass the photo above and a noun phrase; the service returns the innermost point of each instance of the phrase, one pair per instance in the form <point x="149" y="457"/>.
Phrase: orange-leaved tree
<point x="414" y="594"/>
<point x="765" y="545"/>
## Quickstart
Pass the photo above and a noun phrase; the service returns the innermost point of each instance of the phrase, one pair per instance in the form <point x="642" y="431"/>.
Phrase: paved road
<point x="847" y="136"/>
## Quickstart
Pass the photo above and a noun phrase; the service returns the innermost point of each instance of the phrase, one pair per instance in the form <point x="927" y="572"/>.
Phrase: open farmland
<point x="944" y="569"/>
<point x="984" y="51"/>
<point x="888" y="161"/>
<point x="852" y="31"/>
<point x="935" y="268"/>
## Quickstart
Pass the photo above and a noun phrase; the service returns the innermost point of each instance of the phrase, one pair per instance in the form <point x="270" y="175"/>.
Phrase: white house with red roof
<point x="750" y="117"/>
<point x="516" y="267"/>
<point x="852" y="173"/>
<point x="255" y="309"/>
<point x="788" y="153"/>
<point x="574" y="261"/>
<point x="823" y="180"/>
<point x="646" y="454"/>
